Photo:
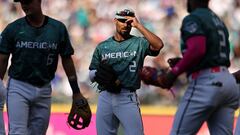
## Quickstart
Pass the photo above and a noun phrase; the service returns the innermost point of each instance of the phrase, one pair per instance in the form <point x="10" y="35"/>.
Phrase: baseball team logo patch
<point x="191" y="27"/>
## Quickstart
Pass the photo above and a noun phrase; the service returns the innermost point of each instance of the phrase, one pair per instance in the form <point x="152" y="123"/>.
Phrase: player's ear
<point x="115" y="20"/>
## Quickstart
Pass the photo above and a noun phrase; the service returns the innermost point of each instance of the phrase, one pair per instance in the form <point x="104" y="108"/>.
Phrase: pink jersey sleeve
<point x="196" y="48"/>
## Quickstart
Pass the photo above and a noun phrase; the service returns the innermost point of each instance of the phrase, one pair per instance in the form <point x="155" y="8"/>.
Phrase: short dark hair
<point x="206" y="1"/>
<point x="202" y="3"/>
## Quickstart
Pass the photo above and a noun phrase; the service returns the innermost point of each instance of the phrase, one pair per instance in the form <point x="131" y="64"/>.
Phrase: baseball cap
<point x="120" y="14"/>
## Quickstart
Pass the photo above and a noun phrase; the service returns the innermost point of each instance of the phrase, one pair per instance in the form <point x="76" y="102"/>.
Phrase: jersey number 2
<point x="132" y="67"/>
<point x="222" y="43"/>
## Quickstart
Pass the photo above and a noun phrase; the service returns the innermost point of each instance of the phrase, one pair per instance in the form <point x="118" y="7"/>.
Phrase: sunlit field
<point x="157" y="120"/>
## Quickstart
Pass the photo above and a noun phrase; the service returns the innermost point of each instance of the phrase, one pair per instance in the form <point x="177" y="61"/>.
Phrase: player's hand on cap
<point x="133" y="21"/>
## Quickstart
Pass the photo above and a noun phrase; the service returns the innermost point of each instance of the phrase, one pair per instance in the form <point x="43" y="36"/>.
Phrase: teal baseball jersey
<point x="204" y="22"/>
<point x="35" y="51"/>
<point x="125" y="57"/>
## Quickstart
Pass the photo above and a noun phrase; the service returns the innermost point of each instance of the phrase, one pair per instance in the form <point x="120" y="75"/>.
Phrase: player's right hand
<point x="133" y="21"/>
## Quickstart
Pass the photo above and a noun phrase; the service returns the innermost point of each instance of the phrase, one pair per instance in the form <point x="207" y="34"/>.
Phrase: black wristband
<point x="74" y="86"/>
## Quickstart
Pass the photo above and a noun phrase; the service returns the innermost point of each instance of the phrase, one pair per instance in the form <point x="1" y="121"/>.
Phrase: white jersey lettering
<point x="36" y="45"/>
<point x="116" y="55"/>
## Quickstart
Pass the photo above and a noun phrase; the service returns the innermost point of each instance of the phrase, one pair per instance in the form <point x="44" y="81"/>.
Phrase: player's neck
<point x="120" y="38"/>
<point x="36" y="20"/>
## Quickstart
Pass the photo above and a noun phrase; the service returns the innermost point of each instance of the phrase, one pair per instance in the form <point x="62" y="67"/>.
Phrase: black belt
<point x="130" y="89"/>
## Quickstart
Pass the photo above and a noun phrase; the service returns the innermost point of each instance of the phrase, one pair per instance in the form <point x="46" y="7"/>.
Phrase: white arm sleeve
<point x="92" y="75"/>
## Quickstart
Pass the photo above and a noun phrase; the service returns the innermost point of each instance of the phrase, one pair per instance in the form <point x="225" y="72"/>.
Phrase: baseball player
<point x="34" y="42"/>
<point x="212" y="94"/>
<point x="115" y="65"/>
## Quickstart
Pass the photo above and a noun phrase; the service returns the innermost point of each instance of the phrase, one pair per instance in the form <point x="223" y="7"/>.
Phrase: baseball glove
<point x="166" y="80"/>
<point x="80" y="114"/>
<point x="106" y="77"/>
<point x="149" y="75"/>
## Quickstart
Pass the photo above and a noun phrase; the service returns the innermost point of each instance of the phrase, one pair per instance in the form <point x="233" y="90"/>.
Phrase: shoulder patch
<point x="190" y="27"/>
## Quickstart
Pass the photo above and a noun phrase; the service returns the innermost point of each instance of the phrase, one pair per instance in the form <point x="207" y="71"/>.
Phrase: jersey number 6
<point x="50" y="59"/>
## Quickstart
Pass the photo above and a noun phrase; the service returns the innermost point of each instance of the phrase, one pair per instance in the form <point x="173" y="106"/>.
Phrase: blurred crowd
<point x="91" y="21"/>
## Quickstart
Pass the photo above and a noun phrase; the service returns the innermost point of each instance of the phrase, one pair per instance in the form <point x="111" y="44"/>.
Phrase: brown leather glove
<point x="148" y="75"/>
<point x="166" y="80"/>
<point x="80" y="114"/>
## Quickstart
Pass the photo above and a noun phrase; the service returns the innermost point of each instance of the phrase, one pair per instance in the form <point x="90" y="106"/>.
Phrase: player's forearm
<point x="155" y="42"/>
<point x="4" y="64"/>
<point x="70" y="71"/>
<point x="195" y="44"/>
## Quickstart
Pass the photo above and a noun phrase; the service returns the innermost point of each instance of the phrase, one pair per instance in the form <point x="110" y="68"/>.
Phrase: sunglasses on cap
<point x="125" y="21"/>
<point x="125" y="12"/>
<point x="122" y="20"/>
